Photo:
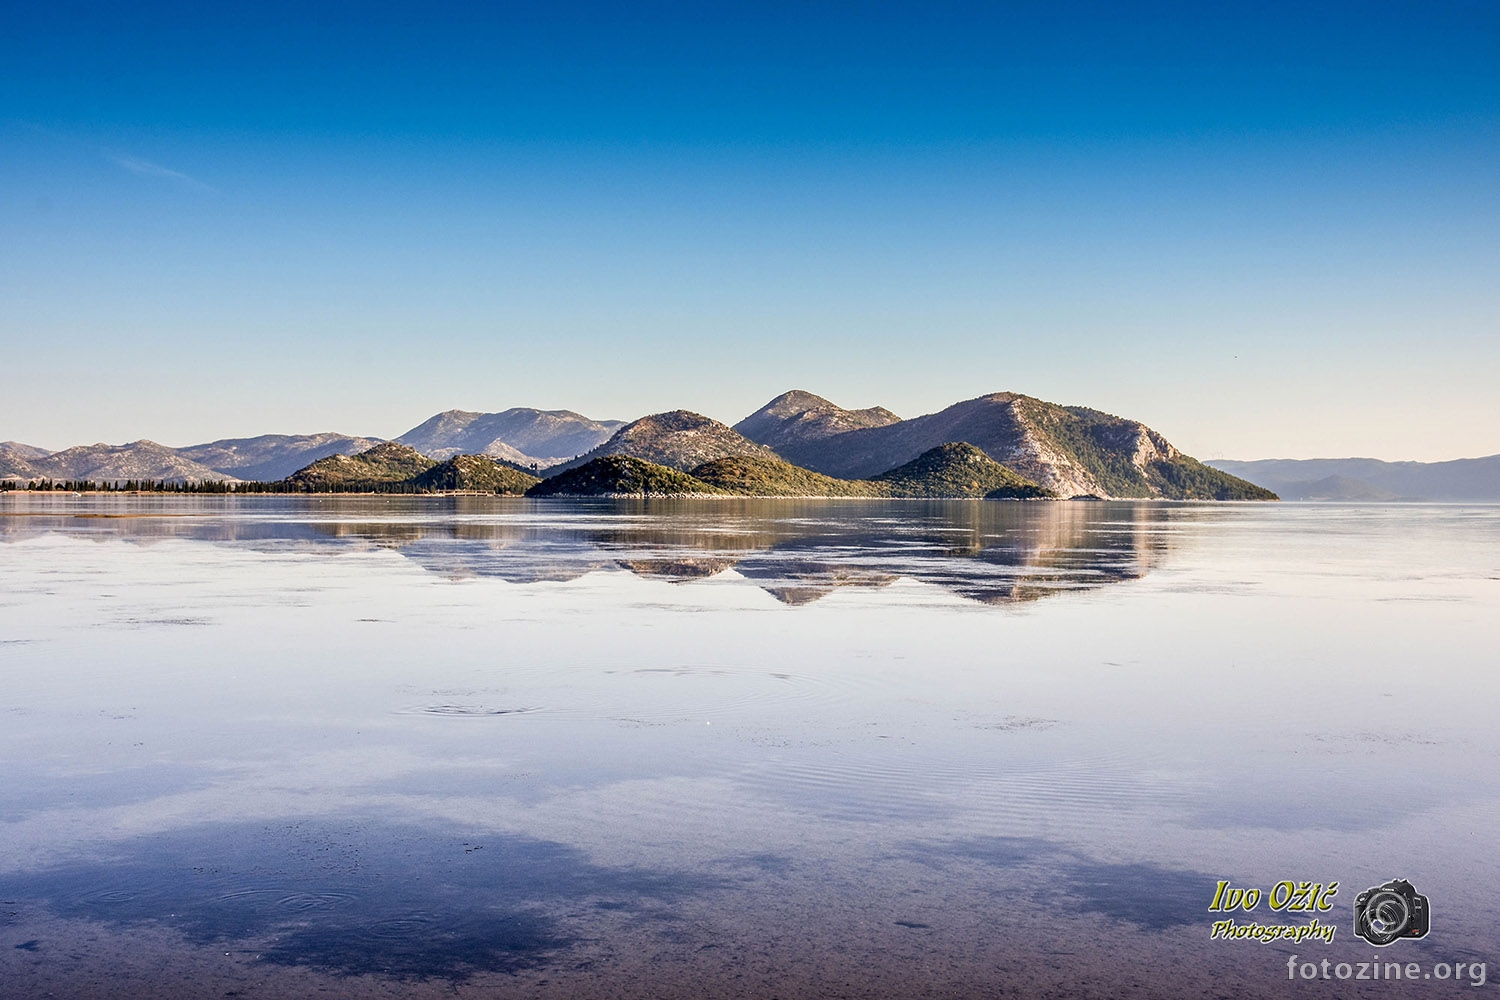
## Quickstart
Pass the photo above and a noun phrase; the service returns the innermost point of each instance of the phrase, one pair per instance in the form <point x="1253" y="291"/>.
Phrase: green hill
<point x="678" y="439"/>
<point x="958" y="470"/>
<point x="749" y="475"/>
<point x="621" y="476"/>
<point x="383" y="464"/>
<point x="1128" y="459"/>
<point x="478" y="473"/>
<point x="948" y="471"/>
<point x="1185" y="478"/>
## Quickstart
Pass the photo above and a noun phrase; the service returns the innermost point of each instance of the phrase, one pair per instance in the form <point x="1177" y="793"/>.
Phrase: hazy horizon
<point x="1267" y="233"/>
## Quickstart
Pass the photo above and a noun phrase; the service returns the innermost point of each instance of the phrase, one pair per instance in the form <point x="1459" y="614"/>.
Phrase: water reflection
<point x="797" y="551"/>
<point x="356" y="898"/>
<point x="260" y="747"/>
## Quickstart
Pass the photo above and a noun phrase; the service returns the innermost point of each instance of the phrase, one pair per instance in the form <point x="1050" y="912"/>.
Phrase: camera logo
<point x="1390" y="913"/>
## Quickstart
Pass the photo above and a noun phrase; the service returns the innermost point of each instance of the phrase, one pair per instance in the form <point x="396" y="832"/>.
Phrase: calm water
<point x="280" y="747"/>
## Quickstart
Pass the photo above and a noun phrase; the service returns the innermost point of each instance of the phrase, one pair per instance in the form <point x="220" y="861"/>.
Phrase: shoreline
<point x="605" y="496"/>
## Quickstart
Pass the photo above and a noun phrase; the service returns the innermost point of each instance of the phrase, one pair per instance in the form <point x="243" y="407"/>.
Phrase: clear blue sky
<point x="1265" y="229"/>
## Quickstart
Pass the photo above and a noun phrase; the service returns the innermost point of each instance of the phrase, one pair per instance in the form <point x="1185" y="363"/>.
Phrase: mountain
<point x="679" y="439"/>
<point x="478" y="473"/>
<point x="621" y="476"/>
<point x="1472" y="480"/>
<point x="121" y="462"/>
<point x="23" y="451"/>
<point x="1336" y="488"/>
<point x="272" y="456"/>
<point x="16" y="460"/>
<point x="384" y="463"/>
<point x="958" y="470"/>
<point x="268" y="457"/>
<point x="794" y="421"/>
<point x="1069" y="450"/>
<point x="520" y="435"/>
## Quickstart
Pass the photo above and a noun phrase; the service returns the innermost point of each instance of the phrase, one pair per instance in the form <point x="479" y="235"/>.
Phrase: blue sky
<point x="1266" y="230"/>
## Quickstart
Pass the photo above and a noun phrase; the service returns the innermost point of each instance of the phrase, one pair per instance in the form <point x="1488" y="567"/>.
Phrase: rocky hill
<point x="958" y="470"/>
<point x="795" y="420"/>
<point x="1070" y="451"/>
<point x="679" y="439"/>
<point x="24" y="451"/>
<point x="477" y="473"/>
<point x="520" y="435"/>
<point x="272" y="456"/>
<point x="118" y="463"/>
<point x="16" y="459"/>
<point x="621" y="476"/>
<point x="384" y="463"/>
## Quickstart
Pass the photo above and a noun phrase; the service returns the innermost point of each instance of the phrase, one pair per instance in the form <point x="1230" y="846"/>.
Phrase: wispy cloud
<point x="145" y="168"/>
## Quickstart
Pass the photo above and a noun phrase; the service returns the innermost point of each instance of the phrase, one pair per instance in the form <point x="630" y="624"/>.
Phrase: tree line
<point x="113" y="486"/>
<point x="206" y="486"/>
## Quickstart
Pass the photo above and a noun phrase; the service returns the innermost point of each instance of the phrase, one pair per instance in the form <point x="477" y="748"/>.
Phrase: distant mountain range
<point x="105" y="462"/>
<point x="1472" y="480"/>
<point x="268" y="457"/>
<point x="521" y="436"/>
<point x="272" y="456"/>
<point x="799" y="444"/>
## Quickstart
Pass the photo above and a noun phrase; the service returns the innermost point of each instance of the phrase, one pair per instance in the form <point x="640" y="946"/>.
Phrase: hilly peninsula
<point x="1070" y="450"/>
<point x="949" y="471"/>
<point x="1001" y="445"/>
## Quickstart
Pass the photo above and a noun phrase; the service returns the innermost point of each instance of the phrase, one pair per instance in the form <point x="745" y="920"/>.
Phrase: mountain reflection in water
<point x="366" y="747"/>
<point x="797" y="551"/>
